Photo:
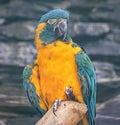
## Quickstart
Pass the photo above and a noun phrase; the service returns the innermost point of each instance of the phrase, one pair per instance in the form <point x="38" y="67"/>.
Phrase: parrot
<point x="62" y="69"/>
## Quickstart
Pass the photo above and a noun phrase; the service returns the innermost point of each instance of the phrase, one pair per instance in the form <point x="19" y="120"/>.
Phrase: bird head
<point x="53" y="26"/>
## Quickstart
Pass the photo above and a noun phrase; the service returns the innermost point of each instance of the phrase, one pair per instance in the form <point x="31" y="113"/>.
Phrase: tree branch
<point x="68" y="113"/>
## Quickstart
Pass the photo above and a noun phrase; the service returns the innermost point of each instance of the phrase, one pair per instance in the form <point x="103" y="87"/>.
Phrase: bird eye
<point x="52" y="21"/>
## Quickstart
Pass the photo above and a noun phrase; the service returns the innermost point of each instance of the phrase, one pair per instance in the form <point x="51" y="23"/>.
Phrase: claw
<point x="56" y="105"/>
<point x="69" y="93"/>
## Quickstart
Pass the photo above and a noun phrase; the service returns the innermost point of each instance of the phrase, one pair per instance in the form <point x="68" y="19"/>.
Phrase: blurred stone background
<point x="94" y="24"/>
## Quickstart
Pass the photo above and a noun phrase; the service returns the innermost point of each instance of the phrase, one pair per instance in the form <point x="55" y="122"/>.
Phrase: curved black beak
<point x="61" y="29"/>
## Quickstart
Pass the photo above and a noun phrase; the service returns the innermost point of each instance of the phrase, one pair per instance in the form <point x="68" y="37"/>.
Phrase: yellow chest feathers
<point x="57" y="59"/>
<point x="57" y="69"/>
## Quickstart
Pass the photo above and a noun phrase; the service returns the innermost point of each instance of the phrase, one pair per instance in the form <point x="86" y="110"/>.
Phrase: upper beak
<point x="61" y="28"/>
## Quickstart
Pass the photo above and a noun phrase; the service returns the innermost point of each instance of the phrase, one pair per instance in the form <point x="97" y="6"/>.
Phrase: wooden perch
<point x="68" y="113"/>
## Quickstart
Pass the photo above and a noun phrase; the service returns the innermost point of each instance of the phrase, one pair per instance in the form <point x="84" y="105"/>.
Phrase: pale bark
<point x="68" y="113"/>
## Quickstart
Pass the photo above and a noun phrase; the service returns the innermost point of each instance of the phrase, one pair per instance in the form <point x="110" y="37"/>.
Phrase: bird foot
<point x="69" y="93"/>
<point x="56" y="105"/>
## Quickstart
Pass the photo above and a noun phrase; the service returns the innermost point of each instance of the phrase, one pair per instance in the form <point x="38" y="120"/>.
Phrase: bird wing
<point x="31" y="84"/>
<point x="87" y="77"/>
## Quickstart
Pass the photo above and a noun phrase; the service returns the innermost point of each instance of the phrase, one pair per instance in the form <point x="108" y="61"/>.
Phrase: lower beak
<point x="61" y="29"/>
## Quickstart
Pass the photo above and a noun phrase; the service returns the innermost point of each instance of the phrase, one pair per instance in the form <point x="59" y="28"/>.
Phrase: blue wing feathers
<point x="30" y="88"/>
<point x="86" y="69"/>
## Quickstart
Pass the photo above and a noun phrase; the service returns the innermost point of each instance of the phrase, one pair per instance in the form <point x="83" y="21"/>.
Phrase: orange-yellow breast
<point x="57" y="71"/>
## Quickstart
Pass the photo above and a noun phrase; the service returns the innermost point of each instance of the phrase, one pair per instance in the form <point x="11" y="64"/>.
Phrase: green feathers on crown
<point x="56" y="13"/>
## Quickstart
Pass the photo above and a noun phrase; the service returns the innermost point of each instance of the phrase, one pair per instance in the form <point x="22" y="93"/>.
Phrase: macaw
<point x="62" y="69"/>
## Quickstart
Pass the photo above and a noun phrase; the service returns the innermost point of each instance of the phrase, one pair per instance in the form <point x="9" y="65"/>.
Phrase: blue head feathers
<point x="56" y="13"/>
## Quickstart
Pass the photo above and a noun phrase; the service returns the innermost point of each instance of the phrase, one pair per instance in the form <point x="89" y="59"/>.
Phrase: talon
<point x="56" y="105"/>
<point x="69" y="93"/>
